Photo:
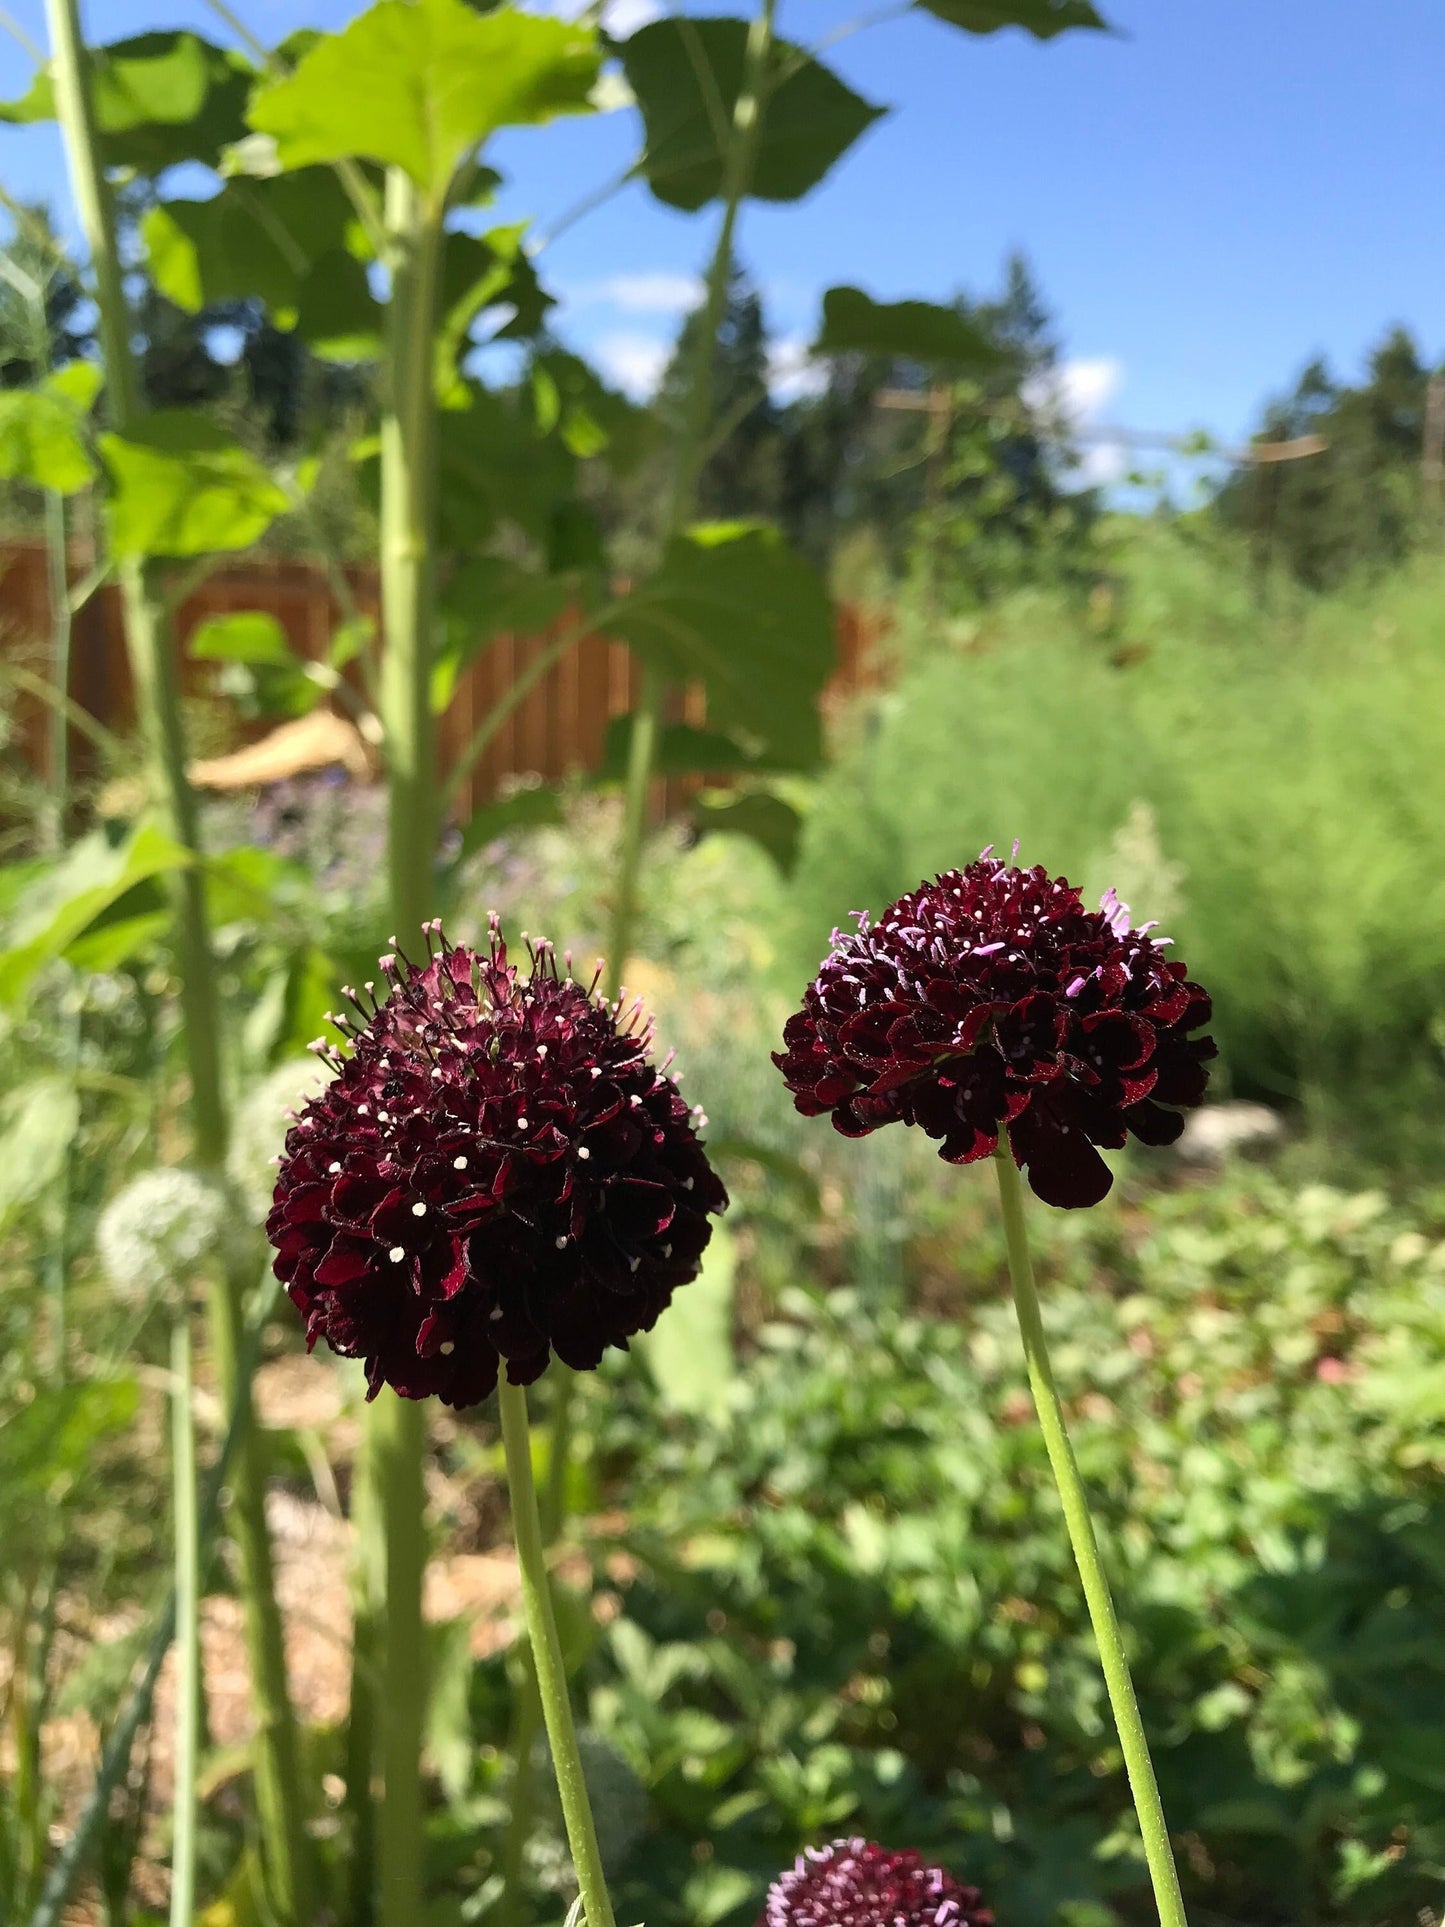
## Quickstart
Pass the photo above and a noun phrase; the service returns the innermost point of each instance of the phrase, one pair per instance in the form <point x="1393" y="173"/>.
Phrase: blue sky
<point x="1208" y="199"/>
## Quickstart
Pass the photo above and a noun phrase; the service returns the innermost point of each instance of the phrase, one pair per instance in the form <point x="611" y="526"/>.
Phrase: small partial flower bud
<point x="853" y="1883"/>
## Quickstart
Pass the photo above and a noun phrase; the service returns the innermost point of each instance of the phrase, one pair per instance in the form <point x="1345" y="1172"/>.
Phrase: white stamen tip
<point x="334" y="1166"/>
<point x="459" y="1164"/>
<point x="396" y="1254"/>
<point x="583" y="1152"/>
<point x="633" y="1263"/>
<point x="561" y="1244"/>
<point x="418" y="1211"/>
<point x="521" y="1124"/>
<point x="447" y="1348"/>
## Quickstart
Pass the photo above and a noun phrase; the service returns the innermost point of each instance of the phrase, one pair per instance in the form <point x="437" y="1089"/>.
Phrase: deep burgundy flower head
<point x="992" y="996"/>
<point x="855" y="1884"/>
<point x="497" y="1171"/>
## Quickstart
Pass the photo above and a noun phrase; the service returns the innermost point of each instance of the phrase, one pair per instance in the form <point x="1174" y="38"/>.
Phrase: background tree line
<point x="972" y="482"/>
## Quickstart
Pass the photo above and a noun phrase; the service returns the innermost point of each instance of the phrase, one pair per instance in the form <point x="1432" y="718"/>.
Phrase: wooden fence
<point x="557" y="727"/>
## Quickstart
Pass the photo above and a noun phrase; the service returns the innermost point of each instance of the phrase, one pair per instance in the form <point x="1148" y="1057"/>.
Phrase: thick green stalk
<point x="396" y="1428"/>
<point x="647" y="718"/>
<point x="547" y="1658"/>
<point x="188" y="1627"/>
<point x="1157" y="1851"/>
<point x="279" y="1793"/>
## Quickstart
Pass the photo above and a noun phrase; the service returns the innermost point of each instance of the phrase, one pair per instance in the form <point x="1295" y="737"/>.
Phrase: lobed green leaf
<point x="854" y="323"/>
<point x="182" y="486"/>
<point x="686" y="74"/>
<point x="160" y="98"/>
<point x="1042" y="18"/>
<point x="735" y="609"/>
<point x="419" y="86"/>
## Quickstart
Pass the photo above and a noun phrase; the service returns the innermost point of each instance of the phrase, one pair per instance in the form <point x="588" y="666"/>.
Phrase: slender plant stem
<point x="393" y="1511"/>
<point x="522" y="1729"/>
<point x="57" y="582"/>
<point x="64" y="1875"/>
<point x="511" y="698"/>
<point x="1157" y="1851"/>
<point x="59" y="662"/>
<point x="368" y="1598"/>
<point x="692" y="452"/>
<point x="547" y="1658"/>
<point x="279" y="1792"/>
<point x="188" y="1624"/>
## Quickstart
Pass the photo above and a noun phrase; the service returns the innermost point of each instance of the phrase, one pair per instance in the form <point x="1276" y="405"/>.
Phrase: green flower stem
<point x="69" y="1864"/>
<point x="389" y="1683"/>
<point x="547" y="1658"/>
<point x="188" y="1627"/>
<point x="1145" y="1788"/>
<point x="279" y="1793"/>
<point x="647" y="718"/>
<point x="522" y="1729"/>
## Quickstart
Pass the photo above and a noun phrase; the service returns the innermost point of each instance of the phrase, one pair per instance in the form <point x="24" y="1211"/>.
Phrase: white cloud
<point x="634" y="362"/>
<point x="624" y="17"/>
<point x="619" y="17"/>
<point x="650" y="291"/>
<point x="792" y="372"/>
<point x="1077" y="393"/>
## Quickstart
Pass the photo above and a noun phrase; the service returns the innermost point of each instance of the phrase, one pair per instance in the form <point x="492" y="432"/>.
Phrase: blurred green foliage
<point x="847" y="1602"/>
<point x="1287" y="759"/>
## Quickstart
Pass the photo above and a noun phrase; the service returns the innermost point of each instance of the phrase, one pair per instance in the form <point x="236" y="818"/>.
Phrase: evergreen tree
<point x="743" y="474"/>
<point x="1356" y="506"/>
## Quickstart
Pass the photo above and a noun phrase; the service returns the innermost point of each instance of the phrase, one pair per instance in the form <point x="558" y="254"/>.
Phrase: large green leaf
<point x="735" y="609"/>
<point x="41" y="441"/>
<point x="481" y="272"/>
<point x="38" y="1122"/>
<point x="682" y="750"/>
<point x="757" y="814"/>
<point x="687" y="73"/>
<point x="490" y="596"/>
<point x="690" y="1351"/>
<point x="418" y="86"/>
<point x="854" y="323"/>
<point x="160" y="98"/>
<point x="68" y="898"/>
<point x="1042" y="18"/>
<point x="292" y="242"/>
<point x="591" y="418"/>
<point x="250" y="635"/>
<point x="534" y="807"/>
<point x="493" y="465"/>
<point x="259" y="669"/>
<point x="183" y="486"/>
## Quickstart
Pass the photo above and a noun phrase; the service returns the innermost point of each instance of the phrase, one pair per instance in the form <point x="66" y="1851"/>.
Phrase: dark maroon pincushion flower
<point x="991" y="996"/>
<point x="495" y="1172"/>
<point x="855" y="1884"/>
